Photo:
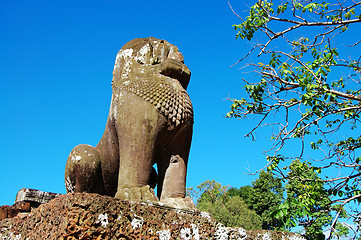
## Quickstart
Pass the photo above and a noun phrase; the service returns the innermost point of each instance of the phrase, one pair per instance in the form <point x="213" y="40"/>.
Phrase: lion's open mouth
<point x="178" y="70"/>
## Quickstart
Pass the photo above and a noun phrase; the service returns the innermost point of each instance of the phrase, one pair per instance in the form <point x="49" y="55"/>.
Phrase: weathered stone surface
<point x="11" y="211"/>
<point x="144" y="193"/>
<point x="34" y="197"/>
<point x="150" y="122"/>
<point x="185" y="203"/>
<point x="93" y="216"/>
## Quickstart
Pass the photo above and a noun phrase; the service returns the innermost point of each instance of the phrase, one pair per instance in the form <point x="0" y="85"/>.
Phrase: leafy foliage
<point x="231" y="211"/>
<point x="264" y="197"/>
<point x="244" y="192"/>
<point x="250" y="207"/>
<point x="307" y="201"/>
<point x="311" y="82"/>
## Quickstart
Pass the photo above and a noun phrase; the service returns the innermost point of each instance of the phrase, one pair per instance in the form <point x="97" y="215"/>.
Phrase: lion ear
<point x="160" y="52"/>
<point x="144" y="55"/>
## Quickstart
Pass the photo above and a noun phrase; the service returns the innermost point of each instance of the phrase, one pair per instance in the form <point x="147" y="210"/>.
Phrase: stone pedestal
<point x="93" y="216"/>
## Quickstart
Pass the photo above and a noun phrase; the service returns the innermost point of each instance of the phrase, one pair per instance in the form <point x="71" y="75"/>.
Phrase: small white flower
<point x="185" y="233"/>
<point x="164" y="234"/>
<point x="103" y="219"/>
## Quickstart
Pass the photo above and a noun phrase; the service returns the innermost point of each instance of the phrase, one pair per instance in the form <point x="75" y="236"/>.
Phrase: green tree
<point x="231" y="211"/>
<point x="264" y="197"/>
<point x="307" y="201"/>
<point x="267" y="196"/>
<point x="309" y="68"/>
<point x="244" y="192"/>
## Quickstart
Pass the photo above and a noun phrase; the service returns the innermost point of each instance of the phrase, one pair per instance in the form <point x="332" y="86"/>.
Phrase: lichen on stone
<point x="205" y="215"/>
<point x="103" y="219"/>
<point x="185" y="233"/>
<point x="242" y="233"/>
<point x="93" y="216"/>
<point x="221" y="232"/>
<point x="164" y="234"/>
<point x="137" y="222"/>
<point x="69" y="185"/>
<point x="10" y="236"/>
<point x="266" y="236"/>
<point x="195" y="231"/>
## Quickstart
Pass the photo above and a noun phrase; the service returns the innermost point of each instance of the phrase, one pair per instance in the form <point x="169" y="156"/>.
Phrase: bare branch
<point x="333" y="225"/>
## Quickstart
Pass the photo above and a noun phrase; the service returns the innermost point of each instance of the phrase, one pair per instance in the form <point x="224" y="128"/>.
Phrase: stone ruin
<point x="94" y="216"/>
<point x="111" y="186"/>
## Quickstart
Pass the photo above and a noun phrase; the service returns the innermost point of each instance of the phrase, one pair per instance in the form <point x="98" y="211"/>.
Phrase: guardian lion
<point x="150" y="122"/>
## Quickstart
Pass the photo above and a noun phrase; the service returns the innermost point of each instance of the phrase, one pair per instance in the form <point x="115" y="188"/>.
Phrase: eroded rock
<point x="93" y="216"/>
<point x="11" y="211"/>
<point x="34" y="197"/>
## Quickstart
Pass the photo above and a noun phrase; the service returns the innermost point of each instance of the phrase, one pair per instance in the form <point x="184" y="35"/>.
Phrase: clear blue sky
<point x="56" y="67"/>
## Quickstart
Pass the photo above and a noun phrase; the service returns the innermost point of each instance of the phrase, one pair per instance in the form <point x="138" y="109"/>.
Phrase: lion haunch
<point x="150" y="122"/>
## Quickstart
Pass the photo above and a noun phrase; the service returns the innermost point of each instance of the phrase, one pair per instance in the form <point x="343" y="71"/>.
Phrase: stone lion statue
<point x="150" y="122"/>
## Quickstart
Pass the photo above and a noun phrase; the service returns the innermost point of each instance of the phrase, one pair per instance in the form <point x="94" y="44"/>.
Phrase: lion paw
<point x="137" y="193"/>
<point x="179" y="202"/>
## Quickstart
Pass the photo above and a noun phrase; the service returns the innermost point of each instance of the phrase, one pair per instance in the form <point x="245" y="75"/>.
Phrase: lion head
<point x="147" y="57"/>
<point x="154" y="70"/>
